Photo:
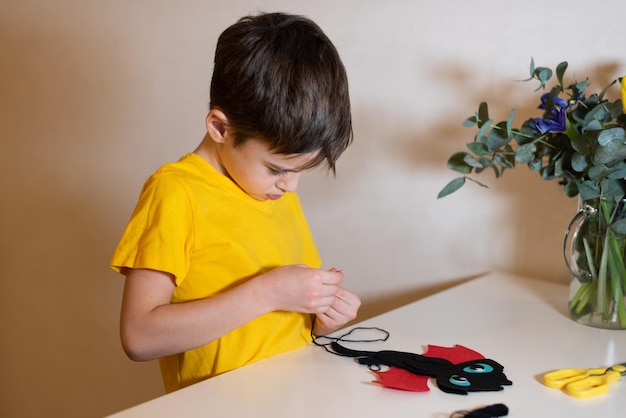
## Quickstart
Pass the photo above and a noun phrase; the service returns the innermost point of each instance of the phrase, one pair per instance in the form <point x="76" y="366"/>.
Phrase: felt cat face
<point x="472" y="376"/>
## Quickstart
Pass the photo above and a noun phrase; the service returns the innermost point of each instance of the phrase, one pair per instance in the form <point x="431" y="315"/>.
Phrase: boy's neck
<point x="207" y="151"/>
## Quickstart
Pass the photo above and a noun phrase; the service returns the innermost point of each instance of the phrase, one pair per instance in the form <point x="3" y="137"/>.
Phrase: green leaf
<point x="483" y="114"/>
<point x="505" y="161"/>
<point x="485" y="162"/>
<point x="611" y="136"/>
<point x="478" y="148"/>
<point x="451" y="187"/>
<point x="613" y="188"/>
<point x="579" y="162"/>
<point x="616" y="109"/>
<point x="588" y="190"/>
<point x="612" y="148"/>
<point x="497" y="137"/>
<point x="593" y="125"/>
<point x="579" y="88"/>
<point x="469" y="122"/>
<point x="471" y="161"/>
<point x="619" y="171"/>
<point x="543" y="74"/>
<point x="457" y="163"/>
<point x="480" y="135"/>
<point x="558" y="167"/>
<point x="560" y="71"/>
<point x="603" y="92"/>
<point x="509" y="123"/>
<point x="598" y="113"/>
<point x="571" y="189"/>
<point x="598" y="172"/>
<point x="525" y="153"/>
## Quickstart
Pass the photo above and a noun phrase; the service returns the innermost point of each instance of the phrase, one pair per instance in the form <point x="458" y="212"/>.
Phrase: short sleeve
<point x="159" y="235"/>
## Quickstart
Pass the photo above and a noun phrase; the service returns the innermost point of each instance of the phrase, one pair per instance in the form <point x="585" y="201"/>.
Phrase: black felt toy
<point x="462" y="371"/>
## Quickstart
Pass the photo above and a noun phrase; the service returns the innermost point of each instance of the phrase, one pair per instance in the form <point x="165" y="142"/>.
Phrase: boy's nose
<point x="289" y="182"/>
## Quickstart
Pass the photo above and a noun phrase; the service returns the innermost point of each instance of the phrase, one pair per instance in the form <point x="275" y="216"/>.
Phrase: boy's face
<point x="259" y="172"/>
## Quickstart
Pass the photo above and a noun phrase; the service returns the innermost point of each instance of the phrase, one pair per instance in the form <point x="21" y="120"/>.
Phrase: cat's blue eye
<point x="457" y="380"/>
<point x="478" y="368"/>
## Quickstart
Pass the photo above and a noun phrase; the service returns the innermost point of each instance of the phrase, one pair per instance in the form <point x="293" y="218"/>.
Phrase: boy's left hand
<point x="342" y="311"/>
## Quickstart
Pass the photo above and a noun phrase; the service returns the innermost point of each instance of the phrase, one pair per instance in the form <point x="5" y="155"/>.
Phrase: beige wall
<point x="94" y="95"/>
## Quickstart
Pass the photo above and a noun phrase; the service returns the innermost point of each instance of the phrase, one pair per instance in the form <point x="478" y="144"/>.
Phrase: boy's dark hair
<point x="278" y="78"/>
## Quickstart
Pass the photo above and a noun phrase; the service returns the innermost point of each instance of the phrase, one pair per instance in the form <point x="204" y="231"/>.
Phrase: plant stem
<point x="604" y="249"/>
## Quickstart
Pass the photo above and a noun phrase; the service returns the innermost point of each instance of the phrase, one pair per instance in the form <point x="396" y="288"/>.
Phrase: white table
<point x="521" y="323"/>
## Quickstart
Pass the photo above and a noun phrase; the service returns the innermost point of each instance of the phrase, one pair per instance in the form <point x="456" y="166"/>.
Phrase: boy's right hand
<point x="299" y="288"/>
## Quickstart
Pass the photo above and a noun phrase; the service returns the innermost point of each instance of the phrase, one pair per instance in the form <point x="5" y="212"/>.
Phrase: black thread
<point x="327" y="345"/>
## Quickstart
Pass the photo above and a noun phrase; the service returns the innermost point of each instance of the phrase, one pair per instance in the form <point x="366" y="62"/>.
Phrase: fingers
<point x="332" y="276"/>
<point x="338" y="315"/>
<point x="330" y="286"/>
<point x="341" y="308"/>
<point x="344" y="307"/>
<point x="319" y="291"/>
<point x="346" y="303"/>
<point x="345" y="295"/>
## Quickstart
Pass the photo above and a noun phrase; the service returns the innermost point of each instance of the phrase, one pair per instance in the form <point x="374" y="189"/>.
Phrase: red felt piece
<point x="396" y="378"/>
<point x="456" y="355"/>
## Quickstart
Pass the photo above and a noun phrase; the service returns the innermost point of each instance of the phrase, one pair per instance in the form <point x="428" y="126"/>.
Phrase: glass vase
<point x="595" y="252"/>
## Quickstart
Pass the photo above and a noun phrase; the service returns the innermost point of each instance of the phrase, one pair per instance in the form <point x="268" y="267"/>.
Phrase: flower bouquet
<point x="580" y="141"/>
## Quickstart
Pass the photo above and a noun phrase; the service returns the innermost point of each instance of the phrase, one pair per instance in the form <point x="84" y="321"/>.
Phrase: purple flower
<point x="557" y="115"/>
<point x="557" y="101"/>
<point x="550" y="125"/>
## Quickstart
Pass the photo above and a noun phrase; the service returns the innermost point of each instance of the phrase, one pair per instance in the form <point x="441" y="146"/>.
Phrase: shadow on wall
<point x="60" y="348"/>
<point x="538" y="209"/>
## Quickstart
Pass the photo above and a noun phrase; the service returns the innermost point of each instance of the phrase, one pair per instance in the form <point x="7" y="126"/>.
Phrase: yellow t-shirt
<point x="195" y="223"/>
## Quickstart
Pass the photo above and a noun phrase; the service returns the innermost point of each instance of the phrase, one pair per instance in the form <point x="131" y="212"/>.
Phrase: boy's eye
<point x="276" y="172"/>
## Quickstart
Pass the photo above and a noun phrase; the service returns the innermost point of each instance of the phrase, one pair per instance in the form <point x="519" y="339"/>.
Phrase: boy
<point x="221" y="269"/>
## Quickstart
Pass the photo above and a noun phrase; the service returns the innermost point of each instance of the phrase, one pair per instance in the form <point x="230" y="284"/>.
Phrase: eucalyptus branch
<point x="580" y="141"/>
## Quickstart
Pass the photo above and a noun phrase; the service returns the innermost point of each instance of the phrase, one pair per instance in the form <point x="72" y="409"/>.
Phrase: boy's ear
<point x="216" y="122"/>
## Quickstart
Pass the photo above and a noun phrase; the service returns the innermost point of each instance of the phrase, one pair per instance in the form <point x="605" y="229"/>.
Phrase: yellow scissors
<point x="585" y="383"/>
